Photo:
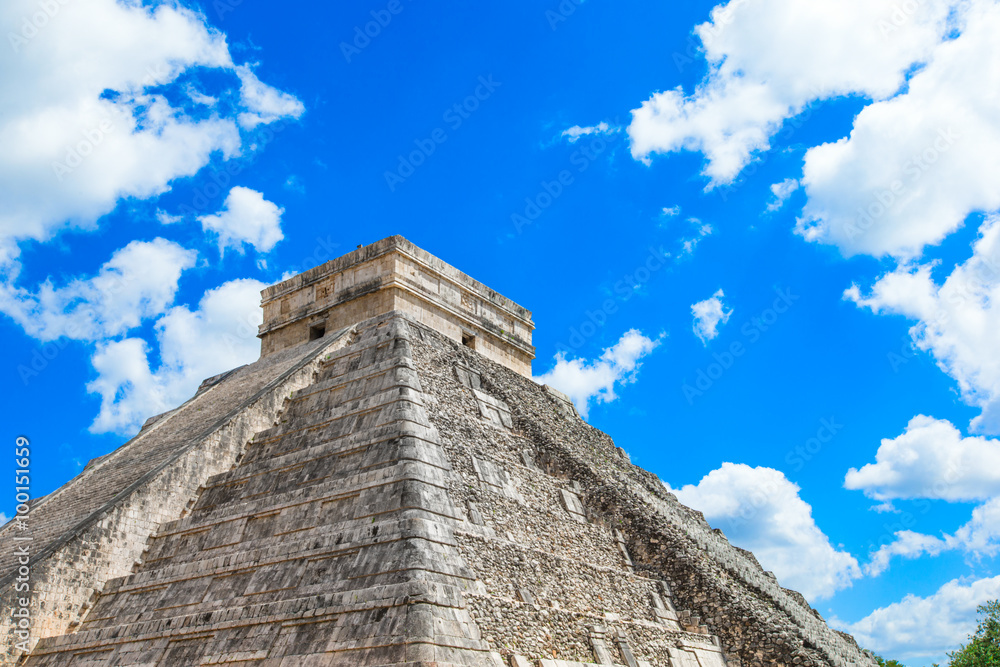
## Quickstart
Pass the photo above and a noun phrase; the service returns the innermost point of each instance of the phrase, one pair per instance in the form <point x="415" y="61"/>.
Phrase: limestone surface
<point x="387" y="494"/>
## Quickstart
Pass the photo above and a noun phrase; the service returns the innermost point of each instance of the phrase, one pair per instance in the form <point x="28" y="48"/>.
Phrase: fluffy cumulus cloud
<point x="919" y="627"/>
<point x="958" y="321"/>
<point x="931" y="459"/>
<point x="916" y="165"/>
<point x="919" y="159"/>
<point x="908" y="544"/>
<point x="759" y="509"/>
<point x="708" y="315"/>
<point x="129" y="117"/>
<point x="979" y="537"/>
<point x="193" y="344"/>
<point x="70" y="150"/>
<point x="247" y="219"/>
<point x="78" y="139"/>
<point x="768" y="59"/>
<point x="138" y="282"/>
<point x="594" y="381"/>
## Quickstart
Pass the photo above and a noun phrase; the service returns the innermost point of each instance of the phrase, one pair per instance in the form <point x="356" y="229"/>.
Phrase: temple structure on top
<point x="395" y="275"/>
<point x="387" y="486"/>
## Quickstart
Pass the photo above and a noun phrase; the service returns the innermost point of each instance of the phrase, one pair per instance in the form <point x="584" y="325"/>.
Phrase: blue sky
<point x="760" y="241"/>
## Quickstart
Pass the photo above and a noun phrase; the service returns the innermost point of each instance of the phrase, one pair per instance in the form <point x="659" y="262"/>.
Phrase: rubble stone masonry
<point x="392" y="492"/>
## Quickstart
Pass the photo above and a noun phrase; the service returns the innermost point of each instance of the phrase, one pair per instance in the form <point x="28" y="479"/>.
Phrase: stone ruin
<point x="387" y="485"/>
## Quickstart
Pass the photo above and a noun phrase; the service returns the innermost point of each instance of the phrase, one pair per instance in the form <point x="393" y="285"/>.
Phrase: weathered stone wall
<point x="552" y="583"/>
<point x="713" y="583"/>
<point x="96" y="526"/>
<point x="328" y="544"/>
<point x="419" y="504"/>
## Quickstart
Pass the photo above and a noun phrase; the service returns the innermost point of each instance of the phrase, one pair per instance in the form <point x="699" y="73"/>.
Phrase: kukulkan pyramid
<point x="387" y="485"/>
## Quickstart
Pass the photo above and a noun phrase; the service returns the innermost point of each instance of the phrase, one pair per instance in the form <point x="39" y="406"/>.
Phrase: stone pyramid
<point x="388" y="486"/>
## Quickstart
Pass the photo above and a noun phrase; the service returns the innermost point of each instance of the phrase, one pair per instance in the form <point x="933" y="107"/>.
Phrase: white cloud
<point x="708" y="315"/>
<point x="594" y="381"/>
<point x="574" y="133"/>
<point x="137" y="283"/>
<point x="200" y="98"/>
<point x="958" y="321"/>
<point x="670" y="211"/>
<point x="129" y="394"/>
<point x="925" y="627"/>
<point x="99" y="106"/>
<point x="915" y="165"/>
<point x="781" y="191"/>
<point x="78" y="139"/>
<point x="979" y="537"/>
<point x="69" y="154"/>
<point x="931" y="459"/>
<point x="193" y="345"/>
<point x="759" y="509"/>
<point x="248" y="218"/>
<point x="922" y="156"/>
<point x="907" y="544"/>
<point x="768" y="59"/>
<point x="165" y="218"/>
<point x="264" y="104"/>
<point x="701" y="231"/>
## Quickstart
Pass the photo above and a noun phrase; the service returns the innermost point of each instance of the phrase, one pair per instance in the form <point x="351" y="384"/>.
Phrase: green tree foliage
<point x="983" y="649"/>
<point x="882" y="662"/>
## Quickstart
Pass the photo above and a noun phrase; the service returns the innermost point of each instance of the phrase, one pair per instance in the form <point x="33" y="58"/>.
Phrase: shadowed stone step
<point x="399" y="492"/>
